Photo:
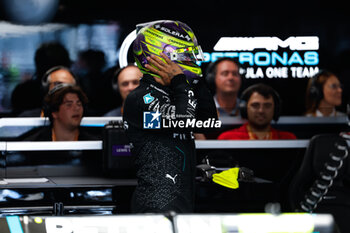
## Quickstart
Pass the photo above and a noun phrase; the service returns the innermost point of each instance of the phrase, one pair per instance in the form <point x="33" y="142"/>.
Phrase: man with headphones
<point x="52" y="77"/>
<point x="64" y="106"/>
<point x="124" y="81"/>
<point x="224" y="79"/>
<point x="57" y="75"/>
<point x="260" y="104"/>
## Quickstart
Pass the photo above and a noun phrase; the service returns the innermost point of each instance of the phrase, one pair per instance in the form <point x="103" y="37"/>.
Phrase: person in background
<point x="225" y="81"/>
<point x="124" y="81"/>
<point x="64" y="106"/>
<point x="54" y="76"/>
<point x="29" y="95"/>
<point x="57" y="75"/>
<point x="260" y="104"/>
<point x="323" y="95"/>
<point x="89" y="68"/>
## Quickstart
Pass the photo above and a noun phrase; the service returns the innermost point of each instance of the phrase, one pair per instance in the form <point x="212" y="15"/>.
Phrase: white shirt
<point x="221" y="110"/>
<point x="333" y="114"/>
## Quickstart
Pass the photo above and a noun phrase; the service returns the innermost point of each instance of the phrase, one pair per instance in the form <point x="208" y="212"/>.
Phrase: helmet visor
<point x="191" y="54"/>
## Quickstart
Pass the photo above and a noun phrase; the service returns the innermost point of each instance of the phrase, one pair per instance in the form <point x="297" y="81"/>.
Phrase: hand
<point x="167" y="70"/>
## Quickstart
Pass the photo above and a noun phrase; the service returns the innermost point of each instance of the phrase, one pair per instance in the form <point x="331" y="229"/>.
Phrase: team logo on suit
<point x="151" y="120"/>
<point x="147" y="99"/>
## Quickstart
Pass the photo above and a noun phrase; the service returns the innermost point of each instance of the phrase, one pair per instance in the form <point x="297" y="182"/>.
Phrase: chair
<point x="321" y="185"/>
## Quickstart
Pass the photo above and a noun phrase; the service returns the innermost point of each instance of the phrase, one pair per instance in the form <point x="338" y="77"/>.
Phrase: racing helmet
<point x="173" y="38"/>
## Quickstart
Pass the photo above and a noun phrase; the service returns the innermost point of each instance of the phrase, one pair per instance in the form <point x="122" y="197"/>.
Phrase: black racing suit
<point x="165" y="157"/>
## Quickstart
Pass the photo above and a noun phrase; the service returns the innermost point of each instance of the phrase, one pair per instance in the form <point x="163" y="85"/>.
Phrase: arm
<point x="183" y="97"/>
<point x="183" y="101"/>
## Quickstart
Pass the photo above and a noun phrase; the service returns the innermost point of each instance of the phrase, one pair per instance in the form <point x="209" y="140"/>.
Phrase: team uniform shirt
<point x="244" y="133"/>
<point x="165" y="157"/>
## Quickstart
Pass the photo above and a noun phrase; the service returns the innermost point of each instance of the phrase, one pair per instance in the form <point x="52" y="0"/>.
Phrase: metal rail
<point x="200" y="144"/>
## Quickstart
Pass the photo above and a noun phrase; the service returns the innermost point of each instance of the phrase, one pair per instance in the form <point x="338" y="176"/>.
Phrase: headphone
<point x="316" y="88"/>
<point x="211" y="71"/>
<point x="45" y="82"/>
<point x="247" y="93"/>
<point x="116" y="75"/>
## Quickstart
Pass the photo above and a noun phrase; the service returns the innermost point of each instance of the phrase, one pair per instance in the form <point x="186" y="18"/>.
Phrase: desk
<point x="281" y="148"/>
<point x="74" y="185"/>
<point x="83" y="195"/>
<point x="274" y="160"/>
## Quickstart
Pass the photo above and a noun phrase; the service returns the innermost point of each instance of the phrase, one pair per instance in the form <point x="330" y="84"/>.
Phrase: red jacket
<point x="242" y="133"/>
